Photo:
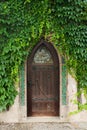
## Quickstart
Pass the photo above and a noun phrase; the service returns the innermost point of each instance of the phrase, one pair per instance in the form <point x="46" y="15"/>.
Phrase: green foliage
<point x="24" y="22"/>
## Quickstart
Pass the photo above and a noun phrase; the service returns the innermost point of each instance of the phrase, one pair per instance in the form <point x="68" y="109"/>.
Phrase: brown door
<point x="43" y="83"/>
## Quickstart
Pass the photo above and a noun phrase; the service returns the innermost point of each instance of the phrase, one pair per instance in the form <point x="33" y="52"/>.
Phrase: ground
<point x="44" y="126"/>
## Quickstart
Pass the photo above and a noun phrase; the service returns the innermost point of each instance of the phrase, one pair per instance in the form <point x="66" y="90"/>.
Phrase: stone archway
<point x="43" y="81"/>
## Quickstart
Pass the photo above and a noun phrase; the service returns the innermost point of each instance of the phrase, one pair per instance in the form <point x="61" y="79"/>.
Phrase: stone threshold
<point x="43" y="119"/>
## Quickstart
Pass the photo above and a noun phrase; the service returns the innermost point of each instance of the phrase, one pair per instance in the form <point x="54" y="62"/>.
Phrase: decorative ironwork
<point x="45" y="99"/>
<point x="42" y="55"/>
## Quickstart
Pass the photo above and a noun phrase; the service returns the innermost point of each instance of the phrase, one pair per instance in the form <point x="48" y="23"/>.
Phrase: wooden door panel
<point x="44" y="98"/>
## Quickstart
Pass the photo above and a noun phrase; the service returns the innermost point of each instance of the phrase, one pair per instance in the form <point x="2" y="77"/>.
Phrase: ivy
<point x="24" y="22"/>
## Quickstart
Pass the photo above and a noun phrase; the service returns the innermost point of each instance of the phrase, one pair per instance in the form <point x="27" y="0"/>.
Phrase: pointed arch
<point x="43" y="81"/>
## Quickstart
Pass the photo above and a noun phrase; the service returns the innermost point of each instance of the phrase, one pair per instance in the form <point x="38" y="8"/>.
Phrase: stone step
<point x="43" y="126"/>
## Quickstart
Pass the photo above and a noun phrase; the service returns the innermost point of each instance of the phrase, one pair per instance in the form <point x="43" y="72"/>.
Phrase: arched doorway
<point x="43" y="94"/>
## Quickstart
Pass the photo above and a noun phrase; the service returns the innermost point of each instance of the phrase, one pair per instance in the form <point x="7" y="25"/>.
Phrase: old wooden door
<point x="43" y="81"/>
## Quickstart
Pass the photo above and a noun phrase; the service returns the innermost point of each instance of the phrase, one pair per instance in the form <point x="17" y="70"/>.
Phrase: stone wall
<point x="12" y="114"/>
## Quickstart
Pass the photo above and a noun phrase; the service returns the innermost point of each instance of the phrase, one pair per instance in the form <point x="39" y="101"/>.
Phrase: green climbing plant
<point x="24" y="22"/>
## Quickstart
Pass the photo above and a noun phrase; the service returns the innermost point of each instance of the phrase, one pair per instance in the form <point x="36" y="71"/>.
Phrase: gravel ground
<point x="43" y="126"/>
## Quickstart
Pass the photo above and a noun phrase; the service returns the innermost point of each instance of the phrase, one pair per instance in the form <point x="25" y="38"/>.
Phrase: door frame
<point x="54" y="54"/>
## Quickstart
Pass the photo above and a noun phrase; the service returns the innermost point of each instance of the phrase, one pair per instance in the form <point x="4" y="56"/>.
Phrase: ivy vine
<point x="24" y="22"/>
